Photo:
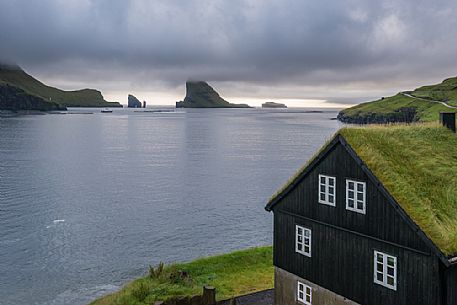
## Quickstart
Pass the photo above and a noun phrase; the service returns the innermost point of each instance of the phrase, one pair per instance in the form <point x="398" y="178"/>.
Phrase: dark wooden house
<point x="370" y="220"/>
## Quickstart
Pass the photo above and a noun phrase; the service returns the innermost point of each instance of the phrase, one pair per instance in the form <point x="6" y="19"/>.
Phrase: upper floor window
<point x="356" y="196"/>
<point x="327" y="190"/>
<point x="304" y="293"/>
<point x="385" y="270"/>
<point x="303" y="240"/>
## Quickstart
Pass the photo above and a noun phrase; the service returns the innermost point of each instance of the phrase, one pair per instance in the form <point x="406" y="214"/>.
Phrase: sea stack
<point x="273" y="105"/>
<point x="133" y="102"/>
<point x="201" y="95"/>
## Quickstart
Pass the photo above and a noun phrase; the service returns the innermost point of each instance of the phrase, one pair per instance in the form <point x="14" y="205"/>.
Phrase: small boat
<point x="106" y="110"/>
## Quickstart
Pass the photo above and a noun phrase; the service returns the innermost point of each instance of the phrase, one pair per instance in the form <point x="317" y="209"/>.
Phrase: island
<point x="201" y="95"/>
<point x="273" y="105"/>
<point x="420" y="105"/>
<point x="133" y="102"/>
<point x="21" y="91"/>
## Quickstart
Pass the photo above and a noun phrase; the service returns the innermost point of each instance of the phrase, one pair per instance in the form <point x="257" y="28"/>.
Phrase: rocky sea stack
<point x="201" y="95"/>
<point x="133" y="102"/>
<point x="273" y="105"/>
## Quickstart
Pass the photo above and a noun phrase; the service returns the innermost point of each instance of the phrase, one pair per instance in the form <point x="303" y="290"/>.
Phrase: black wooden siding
<point x="451" y="287"/>
<point x="343" y="241"/>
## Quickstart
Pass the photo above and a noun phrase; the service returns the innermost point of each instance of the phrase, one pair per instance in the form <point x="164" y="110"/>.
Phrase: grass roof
<point x="417" y="164"/>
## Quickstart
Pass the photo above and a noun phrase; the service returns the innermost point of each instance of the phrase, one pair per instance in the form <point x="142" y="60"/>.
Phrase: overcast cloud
<point x="341" y="50"/>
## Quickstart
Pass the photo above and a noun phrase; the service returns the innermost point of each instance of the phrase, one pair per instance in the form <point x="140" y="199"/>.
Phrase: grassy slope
<point x="80" y="98"/>
<point x="417" y="164"/>
<point x="427" y="111"/>
<point x="232" y="274"/>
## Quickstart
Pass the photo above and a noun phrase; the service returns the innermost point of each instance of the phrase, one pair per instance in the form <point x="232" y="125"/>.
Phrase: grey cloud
<point x="150" y="44"/>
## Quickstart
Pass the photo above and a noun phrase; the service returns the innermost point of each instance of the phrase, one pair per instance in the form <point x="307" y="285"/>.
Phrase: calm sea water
<point x="87" y="201"/>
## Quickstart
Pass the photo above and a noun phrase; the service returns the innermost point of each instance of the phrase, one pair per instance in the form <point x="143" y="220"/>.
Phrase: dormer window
<point x="356" y="196"/>
<point x="327" y="190"/>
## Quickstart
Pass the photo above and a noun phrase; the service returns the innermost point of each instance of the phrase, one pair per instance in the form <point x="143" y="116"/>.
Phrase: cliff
<point x="422" y="104"/>
<point x="273" y="105"/>
<point x="12" y="76"/>
<point x="133" y="102"/>
<point x="201" y="95"/>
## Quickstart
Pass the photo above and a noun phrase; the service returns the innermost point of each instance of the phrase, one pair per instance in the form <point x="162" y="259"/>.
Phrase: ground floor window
<point x="304" y="293"/>
<point x="385" y="270"/>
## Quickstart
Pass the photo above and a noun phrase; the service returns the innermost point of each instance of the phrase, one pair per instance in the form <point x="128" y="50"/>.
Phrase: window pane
<point x="308" y="298"/>
<point x="307" y="249"/>
<point x="390" y="271"/>
<point x="379" y="256"/>
<point x="379" y="276"/>
<point x="300" y="295"/>
<point x="351" y="194"/>
<point x="380" y="267"/>
<point x="300" y="238"/>
<point x="390" y="261"/>
<point x="360" y="187"/>
<point x="323" y="180"/>
<point x="331" y="190"/>
<point x="351" y="203"/>
<point x="307" y="233"/>
<point x="323" y="188"/>
<point x="322" y="197"/>
<point x="390" y="280"/>
<point x="360" y="205"/>
<point x="351" y="185"/>
<point x="299" y="247"/>
<point x="299" y="230"/>
<point x="331" y="198"/>
<point x="359" y="196"/>
<point x="331" y="181"/>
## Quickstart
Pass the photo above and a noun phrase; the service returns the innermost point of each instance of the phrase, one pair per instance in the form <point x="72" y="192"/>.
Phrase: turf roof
<point x="417" y="164"/>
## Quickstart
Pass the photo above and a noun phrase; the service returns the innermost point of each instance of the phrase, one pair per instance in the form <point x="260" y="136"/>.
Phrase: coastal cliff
<point x="20" y="91"/>
<point x="201" y="95"/>
<point x="422" y="104"/>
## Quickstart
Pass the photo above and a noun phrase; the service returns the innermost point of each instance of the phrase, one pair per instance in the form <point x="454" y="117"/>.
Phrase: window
<point x="327" y="194"/>
<point x="304" y="293"/>
<point x="303" y="240"/>
<point x="385" y="270"/>
<point x="356" y="196"/>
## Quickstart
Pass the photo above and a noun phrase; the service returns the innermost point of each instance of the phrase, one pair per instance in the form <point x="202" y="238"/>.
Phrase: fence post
<point x="209" y="295"/>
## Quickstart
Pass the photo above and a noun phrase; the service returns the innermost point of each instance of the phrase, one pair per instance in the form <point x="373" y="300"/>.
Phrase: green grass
<point x="80" y="98"/>
<point x="426" y="111"/>
<point x="232" y="274"/>
<point x="417" y="164"/>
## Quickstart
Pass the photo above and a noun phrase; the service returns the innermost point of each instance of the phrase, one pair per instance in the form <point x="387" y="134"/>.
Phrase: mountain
<point x="20" y="91"/>
<point x="201" y="95"/>
<point x="422" y="104"/>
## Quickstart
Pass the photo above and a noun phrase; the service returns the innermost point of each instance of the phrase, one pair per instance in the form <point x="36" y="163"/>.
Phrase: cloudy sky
<point x="298" y="51"/>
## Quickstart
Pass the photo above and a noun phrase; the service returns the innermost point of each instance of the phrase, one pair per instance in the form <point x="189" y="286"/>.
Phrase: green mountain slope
<point x="14" y="76"/>
<point x="422" y="104"/>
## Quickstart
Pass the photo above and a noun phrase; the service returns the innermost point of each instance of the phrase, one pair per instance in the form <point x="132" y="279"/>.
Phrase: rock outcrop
<point x="201" y="95"/>
<point x="15" y="99"/>
<point x="401" y="115"/>
<point x="273" y="105"/>
<point x="133" y="102"/>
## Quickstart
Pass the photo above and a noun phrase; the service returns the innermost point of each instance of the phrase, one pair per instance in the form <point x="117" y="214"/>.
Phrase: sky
<point x="305" y="53"/>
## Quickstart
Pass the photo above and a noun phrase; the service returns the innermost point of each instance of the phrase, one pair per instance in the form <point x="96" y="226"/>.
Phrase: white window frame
<point x="304" y="292"/>
<point x="303" y="240"/>
<point x="326" y="191"/>
<point x="355" y="198"/>
<point x="385" y="265"/>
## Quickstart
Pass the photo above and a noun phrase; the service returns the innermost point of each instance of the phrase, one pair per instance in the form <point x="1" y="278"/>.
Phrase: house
<point x="371" y="219"/>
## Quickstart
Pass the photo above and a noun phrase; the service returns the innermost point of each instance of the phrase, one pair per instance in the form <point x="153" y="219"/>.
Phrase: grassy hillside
<point x="232" y="274"/>
<point x="422" y="104"/>
<point x="16" y="77"/>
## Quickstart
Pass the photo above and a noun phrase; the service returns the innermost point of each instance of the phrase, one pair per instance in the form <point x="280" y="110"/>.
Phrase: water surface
<point x="87" y="201"/>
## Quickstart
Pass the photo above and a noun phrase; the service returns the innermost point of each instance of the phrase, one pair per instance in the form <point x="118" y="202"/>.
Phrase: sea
<point x="88" y="199"/>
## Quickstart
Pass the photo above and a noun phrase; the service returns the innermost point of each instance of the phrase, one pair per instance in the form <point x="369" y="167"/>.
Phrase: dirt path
<point x="265" y="297"/>
<point x="424" y="99"/>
